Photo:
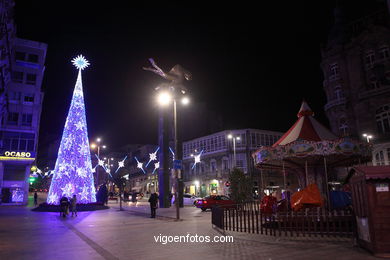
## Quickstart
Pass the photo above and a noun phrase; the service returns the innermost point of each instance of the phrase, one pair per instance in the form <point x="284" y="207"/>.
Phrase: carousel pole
<point x="262" y="184"/>
<point x="307" y="180"/>
<point x="326" y="182"/>
<point x="284" y="176"/>
<point x="284" y="185"/>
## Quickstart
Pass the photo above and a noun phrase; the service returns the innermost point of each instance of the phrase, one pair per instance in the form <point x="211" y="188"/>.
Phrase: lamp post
<point x="230" y="136"/>
<point x="164" y="99"/>
<point x="368" y="137"/>
<point x="176" y="77"/>
<point x="98" y="146"/>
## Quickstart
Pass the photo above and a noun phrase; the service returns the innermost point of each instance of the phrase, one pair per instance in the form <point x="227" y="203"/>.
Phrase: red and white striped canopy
<point x="306" y="128"/>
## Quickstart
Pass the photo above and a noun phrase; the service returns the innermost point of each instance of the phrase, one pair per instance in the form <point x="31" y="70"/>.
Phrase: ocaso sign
<point x="17" y="154"/>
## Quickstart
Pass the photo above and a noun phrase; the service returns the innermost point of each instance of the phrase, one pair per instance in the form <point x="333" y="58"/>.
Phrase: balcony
<point x="335" y="102"/>
<point x="374" y="92"/>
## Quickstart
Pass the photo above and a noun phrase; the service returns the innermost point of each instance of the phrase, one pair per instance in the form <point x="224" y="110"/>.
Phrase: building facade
<point x="219" y="154"/>
<point x="356" y="68"/>
<point x="22" y="105"/>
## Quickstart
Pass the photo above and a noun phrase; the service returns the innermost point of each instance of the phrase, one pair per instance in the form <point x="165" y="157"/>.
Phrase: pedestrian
<point x="64" y="203"/>
<point x="35" y="198"/>
<point x="153" y="200"/>
<point x="134" y="197"/>
<point x="73" y="205"/>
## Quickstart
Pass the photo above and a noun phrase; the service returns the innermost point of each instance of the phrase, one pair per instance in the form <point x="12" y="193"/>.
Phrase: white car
<point x="188" y="199"/>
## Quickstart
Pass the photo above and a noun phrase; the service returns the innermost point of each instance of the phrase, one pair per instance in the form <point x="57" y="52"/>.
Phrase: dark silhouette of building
<point x="356" y="68"/>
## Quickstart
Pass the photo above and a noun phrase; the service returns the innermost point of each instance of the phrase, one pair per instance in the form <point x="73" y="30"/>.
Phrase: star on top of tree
<point x="80" y="62"/>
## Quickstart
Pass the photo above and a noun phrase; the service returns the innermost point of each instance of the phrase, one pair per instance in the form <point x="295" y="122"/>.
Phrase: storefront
<point x="14" y="173"/>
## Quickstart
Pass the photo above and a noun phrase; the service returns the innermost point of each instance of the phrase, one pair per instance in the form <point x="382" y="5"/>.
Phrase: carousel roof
<point x="306" y="128"/>
<point x="309" y="142"/>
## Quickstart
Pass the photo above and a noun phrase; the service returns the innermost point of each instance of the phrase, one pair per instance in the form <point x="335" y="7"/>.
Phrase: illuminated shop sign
<point x="17" y="154"/>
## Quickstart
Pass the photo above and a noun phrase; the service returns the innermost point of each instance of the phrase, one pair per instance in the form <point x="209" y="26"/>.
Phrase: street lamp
<point x="97" y="145"/>
<point x="230" y="136"/>
<point x="164" y="98"/>
<point x="368" y="137"/>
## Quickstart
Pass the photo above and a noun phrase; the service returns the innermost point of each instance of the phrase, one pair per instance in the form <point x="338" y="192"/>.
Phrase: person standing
<point x="73" y="205"/>
<point x="153" y="200"/>
<point x="35" y="198"/>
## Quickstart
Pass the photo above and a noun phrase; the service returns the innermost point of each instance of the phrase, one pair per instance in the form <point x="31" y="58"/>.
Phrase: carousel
<point x="312" y="154"/>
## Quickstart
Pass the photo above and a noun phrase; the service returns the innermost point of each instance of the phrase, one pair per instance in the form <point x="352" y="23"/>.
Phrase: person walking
<point x="73" y="205"/>
<point x="153" y="200"/>
<point x="35" y="198"/>
<point x="64" y="203"/>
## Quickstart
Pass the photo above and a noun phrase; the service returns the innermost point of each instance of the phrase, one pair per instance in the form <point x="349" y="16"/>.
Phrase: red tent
<point x="306" y="128"/>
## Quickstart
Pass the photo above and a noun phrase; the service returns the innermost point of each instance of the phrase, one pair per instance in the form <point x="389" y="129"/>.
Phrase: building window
<point x="382" y="119"/>
<point x="384" y="52"/>
<point x="31" y="79"/>
<point x="14" y="96"/>
<point x="374" y="84"/>
<point x="12" y="118"/>
<point x="334" y="71"/>
<point x="343" y="126"/>
<point x="370" y="59"/>
<point x="32" y="58"/>
<point x="27" y="119"/>
<point x="15" y="141"/>
<point x="338" y="92"/>
<point x="240" y="163"/>
<point x="20" y="55"/>
<point x="225" y="165"/>
<point x="29" y="98"/>
<point x="379" y="158"/>
<point x="17" y="76"/>
<point x="213" y="166"/>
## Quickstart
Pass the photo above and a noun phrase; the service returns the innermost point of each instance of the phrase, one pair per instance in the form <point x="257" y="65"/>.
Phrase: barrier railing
<point x="247" y="217"/>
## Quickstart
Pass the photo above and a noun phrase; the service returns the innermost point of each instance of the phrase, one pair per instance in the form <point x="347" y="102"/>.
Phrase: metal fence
<point x="247" y="217"/>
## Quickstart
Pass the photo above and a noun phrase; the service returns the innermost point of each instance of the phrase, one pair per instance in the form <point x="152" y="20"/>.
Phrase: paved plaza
<point x="113" y="234"/>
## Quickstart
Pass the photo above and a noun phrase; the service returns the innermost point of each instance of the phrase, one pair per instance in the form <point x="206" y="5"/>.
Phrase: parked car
<point x="213" y="201"/>
<point x="188" y="199"/>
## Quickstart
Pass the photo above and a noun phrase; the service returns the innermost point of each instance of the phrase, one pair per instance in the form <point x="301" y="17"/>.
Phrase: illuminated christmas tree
<point x="73" y="170"/>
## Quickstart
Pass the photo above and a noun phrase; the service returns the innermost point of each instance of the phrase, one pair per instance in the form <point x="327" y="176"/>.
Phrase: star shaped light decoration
<point x="80" y="62"/>
<point x="101" y="163"/>
<point x="53" y="198"/>
<point x="84" y="194"/>
<point x="121" y="164"/>
<point x="152" y="156"/>
<point x="81" y="172"/>
<point x="79" y="125"/>
<point x="67" y="190"/>
<point x="197" y="159"/>
<point x="156" y="166"/>
<point x="139" y="164"/>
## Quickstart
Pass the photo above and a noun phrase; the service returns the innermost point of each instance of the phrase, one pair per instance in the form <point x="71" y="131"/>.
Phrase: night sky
<point x="253" y="65"/>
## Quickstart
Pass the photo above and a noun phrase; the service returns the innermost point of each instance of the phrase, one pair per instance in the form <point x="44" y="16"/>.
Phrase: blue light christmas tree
<point x="73" y="170"/>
